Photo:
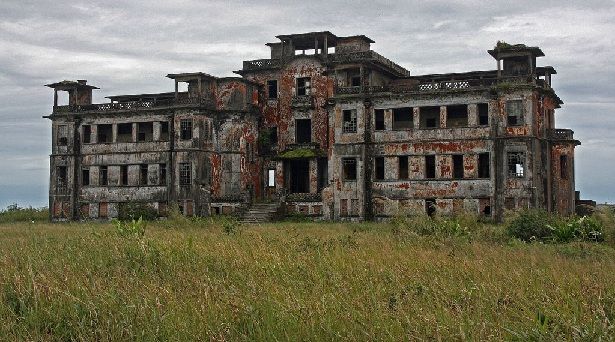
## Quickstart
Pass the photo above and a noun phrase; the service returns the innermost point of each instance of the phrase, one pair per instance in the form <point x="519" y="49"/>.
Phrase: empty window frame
<point x="430" y="206"/>
<point x="87" y="134"/>
<point x="563" y="166"/>
<point x="402" y="169"/>
<point x="516" y="164"/>
<point x="85" y="177"/>
<point x="103" y="176"/>
<point x="185" y="174"/>
<point x="484" y="165"/>
<point x="271" y="178"/>
<point x="429" y="117"/>
<point x="123" y="174"/>
<point x="349" y="169"/>
<point x="303" y="131"/>
<point x="162" y="174"/>
<point x="483" y="114"/>
<point x="164" y="131"/>
<point x="379" y="119"/>
<point x="354" y="78"/>
<point x="61" y="178"/>
<point x="514" y="112"/>
<point x="457" y="116"/>
<point x="124" y="132"/>
<point x="403" y="118"/>
<point x="143" y="174"/>
<point x="145" y="131"/>
<point x="379" y="168"/>
<point x="458" y="166"/>
<point x="273" y="135"/>
<point x="304" y="85"/>
<point x="272" y="89"/>
<point x="185" y="129"/>
<point x="62" y="135"/>
<point x="104" y="133"/>
<point x="430" y="166"/>
<point x="349" y="121"/>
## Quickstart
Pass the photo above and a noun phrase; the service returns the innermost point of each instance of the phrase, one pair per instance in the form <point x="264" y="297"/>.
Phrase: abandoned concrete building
<point x="325" y="127"/>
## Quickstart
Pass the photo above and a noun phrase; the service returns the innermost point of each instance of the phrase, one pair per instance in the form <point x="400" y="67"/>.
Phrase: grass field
<point x="297" y="281"/>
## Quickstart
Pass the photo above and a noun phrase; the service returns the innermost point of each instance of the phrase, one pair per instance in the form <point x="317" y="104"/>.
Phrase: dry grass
<point x="296" y="281"/>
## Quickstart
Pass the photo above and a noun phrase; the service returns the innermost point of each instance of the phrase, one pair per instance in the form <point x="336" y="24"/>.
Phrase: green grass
<point x="205" y="280"/>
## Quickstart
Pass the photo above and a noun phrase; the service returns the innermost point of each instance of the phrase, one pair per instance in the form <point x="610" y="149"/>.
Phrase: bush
<point x="136" y="210"/>
<point x="133" y="228"/>
<point x="461" y="224"/>
<point x="531" y="225"/>
<point x="15" y="213"/>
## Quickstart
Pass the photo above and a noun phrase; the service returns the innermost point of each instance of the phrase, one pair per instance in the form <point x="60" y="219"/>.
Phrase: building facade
<point x="325" y="127"/>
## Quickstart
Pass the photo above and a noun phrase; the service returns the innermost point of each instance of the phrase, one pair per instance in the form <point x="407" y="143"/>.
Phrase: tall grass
<point x="200" y="280"/>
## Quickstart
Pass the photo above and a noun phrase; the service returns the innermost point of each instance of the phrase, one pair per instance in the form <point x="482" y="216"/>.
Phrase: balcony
<point x="303" y="101"/>
<point x="369" y="56"/>
<point x="137" y="105"/>
<point x="561" y="134"/>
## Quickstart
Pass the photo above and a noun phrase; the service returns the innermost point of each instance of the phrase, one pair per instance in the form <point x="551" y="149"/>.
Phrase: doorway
<point x="299" y="176"/>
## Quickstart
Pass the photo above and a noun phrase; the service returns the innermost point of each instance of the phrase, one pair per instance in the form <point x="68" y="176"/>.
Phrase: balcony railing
<point x="303" y="101"/>
<point x="261" y="64"/>
<point x="561" y="134"/>
<point x="363" y="56"/>
<point x="135" y="105"/>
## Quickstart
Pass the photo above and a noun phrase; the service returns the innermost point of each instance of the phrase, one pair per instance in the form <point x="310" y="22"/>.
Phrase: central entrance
<point x="299" y="176"/>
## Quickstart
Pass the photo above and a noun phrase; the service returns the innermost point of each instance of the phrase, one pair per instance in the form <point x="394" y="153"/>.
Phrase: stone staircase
<point x="260" y="213"/>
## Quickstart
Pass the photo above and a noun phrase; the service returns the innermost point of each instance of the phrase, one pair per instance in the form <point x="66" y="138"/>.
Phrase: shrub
<point x="15" y="213"/>
<point x="531" y="225"/>
<point x="135" y="210"/>
<point x="133" y="228"/>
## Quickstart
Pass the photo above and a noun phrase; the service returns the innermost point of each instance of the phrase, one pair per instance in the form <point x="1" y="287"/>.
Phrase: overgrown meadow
<point x="213" y="279"/>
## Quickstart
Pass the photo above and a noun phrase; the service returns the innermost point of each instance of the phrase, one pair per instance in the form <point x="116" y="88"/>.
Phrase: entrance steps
<point x="260" y="213"/>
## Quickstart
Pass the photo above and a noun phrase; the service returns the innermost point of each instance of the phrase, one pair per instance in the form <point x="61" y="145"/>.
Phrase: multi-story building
<point x="325" y="127"/>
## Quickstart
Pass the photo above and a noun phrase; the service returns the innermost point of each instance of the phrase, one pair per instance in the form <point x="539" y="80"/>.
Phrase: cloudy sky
<point x="127" y="47"/>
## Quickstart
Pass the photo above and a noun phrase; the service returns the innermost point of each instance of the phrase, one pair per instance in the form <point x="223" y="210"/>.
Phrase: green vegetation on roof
<point x="502" y="45"/>
<point x="300" y="153"/>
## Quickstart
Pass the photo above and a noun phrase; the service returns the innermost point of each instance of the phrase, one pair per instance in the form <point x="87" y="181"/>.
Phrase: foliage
<point x="300" y="153"/>
<point x="538" y="225"/>
<point x="129" y="229"/>
<point x="135" y="210"/>
<point x="15" y="213"/>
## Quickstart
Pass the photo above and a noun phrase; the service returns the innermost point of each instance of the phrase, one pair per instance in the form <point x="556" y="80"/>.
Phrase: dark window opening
<point x="430" y="117"/>
<point x="349" y="122"/>
<point x="103" y="178"/>
<point x="484" y="168"/>
<point x="457" y="116"/>
<point x="430" y="207"/>
<point x="403" y="118"/>
<point x="430" y="167"/>
<point x="85" y="177"/>
<point x="303" y="131"/>
<point x="124" y="132"/>
<point x="145" y="131"/>
<point x="303" y="86"/>
<point x="509" y="203"/>
<point x="516" y="164"/>
<point x="563" y="166"/>
<point x="143" y="174"/>
<point x="162" y="174"/>
<point x="300" y="176"/>
<point x="514" y="111"/>
<point x="124" y="175"/>
<point x="458" y="166"/>
<point x="272" y="89"/>
<point x="273" y="136"/>
<point x="87" y="134"/>
<point x="349" y="171"/>
<point x="483" y="114"/>
<point x="104" y="133"/>
<point x="62" y="135"/>
<point x="379" y="119"/>
<point x="185" y="174"/>
<point x="61" y="178"/>
<point x="379" y="174"/>
<point x="323" y="173"/>
<point x="164" y="131"/>
<point x="403" y="167"/>
<point x="185" y="126"/>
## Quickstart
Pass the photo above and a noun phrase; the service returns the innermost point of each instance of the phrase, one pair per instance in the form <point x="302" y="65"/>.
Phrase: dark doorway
<point x="299" y="176"/>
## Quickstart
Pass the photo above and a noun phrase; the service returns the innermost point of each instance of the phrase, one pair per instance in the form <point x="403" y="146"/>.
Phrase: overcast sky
<point x="127" y="47"/>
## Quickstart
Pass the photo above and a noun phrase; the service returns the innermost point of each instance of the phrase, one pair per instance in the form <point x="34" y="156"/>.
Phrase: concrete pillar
<point x="416" y="117"/>
<point x="442" y="116"/>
